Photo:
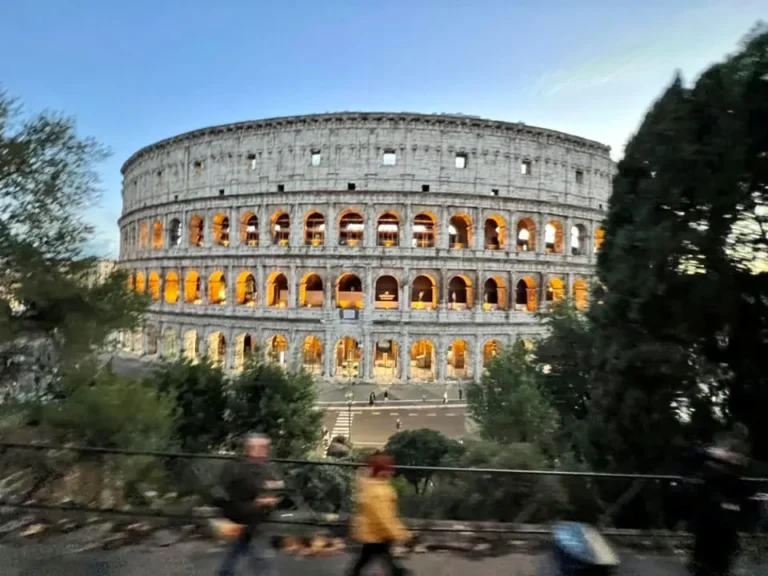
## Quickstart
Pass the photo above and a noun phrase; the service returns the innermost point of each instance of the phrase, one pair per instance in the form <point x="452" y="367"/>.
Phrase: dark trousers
<point x="256" y="547"/>
<point x="380" y="550"/>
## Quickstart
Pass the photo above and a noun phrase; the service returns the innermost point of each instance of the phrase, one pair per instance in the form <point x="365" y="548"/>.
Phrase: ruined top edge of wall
<point x="434" y="120"/>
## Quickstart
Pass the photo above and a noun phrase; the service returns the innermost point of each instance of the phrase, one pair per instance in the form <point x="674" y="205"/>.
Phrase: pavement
<point x="202" y="559"/>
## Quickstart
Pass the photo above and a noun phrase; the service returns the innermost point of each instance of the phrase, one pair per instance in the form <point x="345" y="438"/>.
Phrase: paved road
<point x="373" y="427"/>
<point x="198" y="559"/>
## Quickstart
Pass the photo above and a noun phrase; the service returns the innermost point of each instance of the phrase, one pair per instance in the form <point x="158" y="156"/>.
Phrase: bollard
<point x="579" y="550"/>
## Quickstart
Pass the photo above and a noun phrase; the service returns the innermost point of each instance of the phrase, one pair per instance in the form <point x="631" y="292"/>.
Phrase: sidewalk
<point x="330" y="392"/>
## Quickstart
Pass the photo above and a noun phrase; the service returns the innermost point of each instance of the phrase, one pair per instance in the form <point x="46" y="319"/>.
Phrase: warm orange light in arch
<point x="171" y="288"/>
<point x="154" y="286"/>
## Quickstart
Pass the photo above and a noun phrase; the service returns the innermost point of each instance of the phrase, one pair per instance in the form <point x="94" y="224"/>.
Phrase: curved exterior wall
<point x="387" y="247"/>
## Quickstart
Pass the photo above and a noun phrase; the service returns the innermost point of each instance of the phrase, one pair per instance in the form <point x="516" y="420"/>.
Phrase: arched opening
<point x="221" y="230"/>
<point x="553" y="237"/>
<point x="458" y="360"/>
<point x="143" y="235"/>
<point x="217" y="349"/>
<point x="277" y="290"/>
<point x="131" y="282"/>
<point x="351" y="227"/>
<point x="526" y="235"/>
<point x="196" y="231"/>
<point x="423" y="293"/>
<point x="422" y="361"/>
<point x="525" y="295"/>
<point x="314" y="229"/>
<point x="349" y="292"/>
<point x="170" y="346"/>
<point x="152" y="340"/>
<point x="157" y="235"/>
<point x="312" y="355"/>
<point x="580" y="294"/>
<point x="460" y="293"/>
<point x="192" y="288"/>
<point x="495" y="294"/>
<point x="245" y="346"/>
<point x="579" y="238"/>
<point x="311" y="291"/>
<point x="388" y="230"/>
<point x="490" y="349"/>
<point x="460" y="232"/>
<point x="277" y="350"/>
<point x="495" y="233"/>
<point x="245" y="288"/>
<point x="174" y="233"/>
<point x="423" y="231"/>
<point x="386" y="359"/>
<point x="138" y="341"/>
<point x="217" y="288"/>
<point x="281" y="229"/>
<point x="555" y="290"/>
<point x="386" y="293"/>
<point x="347" y="358"/>
<point x="249" y="229"/>
<point x="141" y="283"/>
<point x="154" y="286"/>
<point x="599" y="238"/>
<point x="191" y="345"/>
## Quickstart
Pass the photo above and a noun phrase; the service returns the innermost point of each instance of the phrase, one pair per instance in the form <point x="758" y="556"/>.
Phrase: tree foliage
<point x="422" y="447"/>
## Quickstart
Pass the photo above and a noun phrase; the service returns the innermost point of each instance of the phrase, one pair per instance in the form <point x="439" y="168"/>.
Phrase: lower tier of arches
<point x="384" y="357"/>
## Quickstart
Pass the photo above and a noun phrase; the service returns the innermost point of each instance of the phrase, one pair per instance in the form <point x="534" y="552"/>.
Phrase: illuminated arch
<point x="217" y="349"/>
<point x="424" y="230"/>
<point x="580" y="294"/>
<point x="157" y="235"/>
<point x="579" y="239"/>
<point x="351" y="228"/>
<point x="460" y="296"/>
<point x="495" y="294"/>
<point x="196" y="231"/>
<point x="191" y="345"/>
<point x="422" y="361"/>
<point x="280" y="228"/>
<point x="386" y="361"/>
<point x="460" y="232"/>
<point x="458" y="360"/>
<point x="154" y="286"/>
<point x="174" y="233"/>
<point x="314" y="229"/>
<point x="312" y="355"/>
<point x="249" y="229"/>
<point x="143" y="235"/>
<point x="553" y="237"/>
<point x="349" y="291"/>
<point x="141" y="283"/>
<point x="245" y="347"/>
<point x="217" y="288"/>
<point x="171" y="291"/>
<point x="424" y="293"/>
<point x="348" y="356"/>
<point x="245" y="289"/>
<point x="311" y="291"/>
<point x="277" y="350"/>
<point x="192" y="288"/>
<point x="490" y="349"/>
<point x="131" y="282"/>
<point x="495" y="230"/>
<point x="599" y="238"/>
<point x="277" y="290"/>
<point x="386" y="292"/>
<point x="555" y="290"/>
<point x="388" y="230"/>
<point x="526" y="235"/>
<point x="221" y="230"/>
<point x="526" y="298"/>
<point x="170" y="343"/>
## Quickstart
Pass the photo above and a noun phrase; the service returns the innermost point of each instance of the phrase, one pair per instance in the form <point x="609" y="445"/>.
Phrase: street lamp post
<point x="349" y="415"/>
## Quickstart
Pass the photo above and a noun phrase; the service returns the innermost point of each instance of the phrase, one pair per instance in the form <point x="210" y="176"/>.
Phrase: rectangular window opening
<point x="425" y="187"/>
<point x="579" y="177"/>
<point x="525" y="167"/>
<point x="159" y="174"/>
<point x="198" y="166"/>
<point x="389" y="158"/>
<point x="350" y="185"/>
<point x="252" y="161"/>
<point x="221" y="191"/>
<point x="317" y="158"/>
<point x="461" y="160"/>
<point x="494" y="191"/>
<point x="175" y="196"/>
<point x="281" y="187"/>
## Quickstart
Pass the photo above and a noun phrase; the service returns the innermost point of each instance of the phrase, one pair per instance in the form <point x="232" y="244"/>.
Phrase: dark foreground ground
<point x="198" y="559"/>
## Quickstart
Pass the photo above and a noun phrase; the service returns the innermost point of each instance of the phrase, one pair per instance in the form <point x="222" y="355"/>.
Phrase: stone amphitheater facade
<point x="373" y="246"/>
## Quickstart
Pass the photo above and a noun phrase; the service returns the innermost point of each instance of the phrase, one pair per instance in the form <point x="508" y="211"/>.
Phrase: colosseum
<point x="384" y="247"/>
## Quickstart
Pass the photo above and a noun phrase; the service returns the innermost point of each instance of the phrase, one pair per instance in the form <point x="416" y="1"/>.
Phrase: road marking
<point x="376" y="413"/>
<point x="431" y="414"/>
<point x="412" y="414"/>
<point x="343" y="425"/>
<point x="393" y="413"/>
<point x="451" y="414"/>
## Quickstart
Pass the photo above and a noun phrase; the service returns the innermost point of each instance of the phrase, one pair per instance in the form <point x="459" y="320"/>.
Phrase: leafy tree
<point x="421" y="447"/>
<point x="200" y="393"/>
<point x="508" y="403"/>
<point x="280" y="403"/>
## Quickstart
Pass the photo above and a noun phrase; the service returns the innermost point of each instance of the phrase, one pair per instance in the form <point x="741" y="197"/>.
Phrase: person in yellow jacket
<point x="376" y="524"/>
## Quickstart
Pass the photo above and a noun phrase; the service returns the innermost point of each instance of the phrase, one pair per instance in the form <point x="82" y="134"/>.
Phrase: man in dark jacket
<point x="249" y="499"/>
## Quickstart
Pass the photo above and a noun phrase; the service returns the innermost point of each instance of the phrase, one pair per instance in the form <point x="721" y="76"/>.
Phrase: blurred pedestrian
<point x="461" y="393"/>
<point x="386" y="394"/>
<point x="371" y="399"/>
<point x="249" y="496"/>
<point x="376" y="524"/>
<point x="445" y="397"/>
<point x="398" y="425"/>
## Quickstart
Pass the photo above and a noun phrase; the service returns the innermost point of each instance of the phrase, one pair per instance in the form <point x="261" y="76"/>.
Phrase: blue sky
<point x="136" y="71"/>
